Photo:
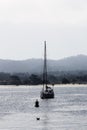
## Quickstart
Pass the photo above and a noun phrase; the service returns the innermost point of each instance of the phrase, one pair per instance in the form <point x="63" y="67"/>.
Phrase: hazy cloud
<point x="44" y="11"/>
<point x="25" y="24"/>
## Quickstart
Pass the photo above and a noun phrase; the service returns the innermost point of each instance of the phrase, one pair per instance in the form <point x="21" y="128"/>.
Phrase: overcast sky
<point x="25" y="24"/>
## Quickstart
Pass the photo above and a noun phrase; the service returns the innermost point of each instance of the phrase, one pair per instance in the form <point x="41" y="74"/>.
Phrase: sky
<point x="26" y="24"/>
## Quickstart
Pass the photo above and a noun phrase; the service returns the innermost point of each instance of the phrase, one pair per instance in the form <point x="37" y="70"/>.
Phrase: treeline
<point x="60" y="77"/>
<point x="20" y="79"/>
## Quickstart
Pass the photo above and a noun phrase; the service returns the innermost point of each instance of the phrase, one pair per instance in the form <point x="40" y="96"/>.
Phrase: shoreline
<point x="56" y="85"/>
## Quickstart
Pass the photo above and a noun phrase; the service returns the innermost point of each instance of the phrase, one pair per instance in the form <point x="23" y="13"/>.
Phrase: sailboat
<point x="47" y="92"/>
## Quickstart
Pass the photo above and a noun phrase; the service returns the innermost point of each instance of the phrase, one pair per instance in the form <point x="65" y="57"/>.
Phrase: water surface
<point x="67" y="111"/>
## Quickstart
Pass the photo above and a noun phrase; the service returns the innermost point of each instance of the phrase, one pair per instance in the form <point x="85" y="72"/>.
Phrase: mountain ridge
<point x="71" y="63"/>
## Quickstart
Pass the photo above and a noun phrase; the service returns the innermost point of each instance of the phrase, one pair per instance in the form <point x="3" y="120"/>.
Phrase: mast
<point x="45" y="67"/>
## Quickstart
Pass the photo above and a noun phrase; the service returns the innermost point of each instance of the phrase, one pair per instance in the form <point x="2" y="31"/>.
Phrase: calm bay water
<point x="67" y="111"/>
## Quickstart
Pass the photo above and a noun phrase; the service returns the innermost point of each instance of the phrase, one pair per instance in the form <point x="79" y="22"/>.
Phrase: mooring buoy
<point x="38" y="118"/>
<point x="36" y="103"/>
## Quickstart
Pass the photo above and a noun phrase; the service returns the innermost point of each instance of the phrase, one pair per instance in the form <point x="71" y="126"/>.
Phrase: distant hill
<point x="73" y="63"/>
